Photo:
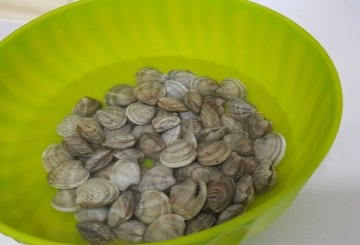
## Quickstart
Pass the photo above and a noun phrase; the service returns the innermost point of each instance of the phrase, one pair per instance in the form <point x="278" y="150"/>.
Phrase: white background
<point x="326" y="212"/>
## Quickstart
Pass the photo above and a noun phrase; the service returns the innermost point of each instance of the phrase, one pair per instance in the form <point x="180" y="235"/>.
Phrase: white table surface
<point x="326" y="212"/>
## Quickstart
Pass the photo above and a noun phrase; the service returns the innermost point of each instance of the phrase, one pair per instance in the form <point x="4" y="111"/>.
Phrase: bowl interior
<point x="84" y="48"/>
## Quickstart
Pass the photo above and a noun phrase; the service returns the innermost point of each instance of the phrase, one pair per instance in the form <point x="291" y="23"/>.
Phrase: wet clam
<point x="215" y="102"/>
<point x="178" y="154"/>
<point x="264" y="177"/>
<point x="95" y="232"/>
<point x="244" y="190"/>
<point x="272" y="146"/>
<point x="188" y="198"/>
<point x="220" y="194"/>
<point x="65" y="201"/>
<point x="166" y="227"/>
<point x="131" y="153"/>
<point x="92" y="214"/>
<point x="120" y="141"/>
<point x="258" y="126"/>
<point x="67" y="127"/>
<point x="175" y="89"/>
<point x="233" y="126"/>
<point x="192" y="125"/>
<point x="197" y="171"/>
<point x="140" y="113"/>
<point x="193" y="100"/>
<point x="127" y="128"/>
<point x="120" y="95"/>
<point x="86" y="107"/>
<point x="171" y="104"/>
<point x="77" y="146"/>
<point x="159" y="177"/>
<point x="90" y="130"/>
<point x="111" y="117"/>
<point x="53" y="156"/>
<point x="140" y="129"/>
<point x="190" y="138"/>
<point x="164" y="121"/>
<point x="200" y="222"/>
<point x="183" y="76"/>
<point x="204" y="85"/>
<point x="230" y="212"/>
<point x="149" y="92"/>
<point x="151" y="144"/>
<point x="213" y="153"/>
<point x="233" y="167"/>
<point x="149" y="75"/>
<point x="96" y="192"/>
<point x="240" y="144"/>
<point x="170" y="135"/>
<point x="99" y="160"/>
<point x="241" y="108"/>
<point x="209" y="117"/>
<point x="212" y="134"/>
<point x="122" y="209"/>
<point x="250" y="164"/>
<point x="131" y="231"/>
<point x="125" y="172"/>
<point x="231" y="88"/>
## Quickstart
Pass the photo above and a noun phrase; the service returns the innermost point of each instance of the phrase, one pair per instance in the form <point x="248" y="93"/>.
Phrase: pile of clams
<point x="177" y="154"/>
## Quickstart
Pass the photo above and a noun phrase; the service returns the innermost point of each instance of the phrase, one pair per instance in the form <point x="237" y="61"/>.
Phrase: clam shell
<point x="204" y="85"/>
<point x="131" y="231"/>
<point x="200" y="222"/>
<point x="131" y="153"/>
<point x="231" y="88"/>
<point x="175" y="89"/>
<point x="67" y="127"/>
<point x="95" y="232"/>
<point x="264" y="177"/>
<point x="149" y="74"/>
<point x="250" y="163"/>
<point x="140" y="129"/>
<point x="53" y="156"/>
<point x="258" y="126"/>
<point x="188" y="198"/>
<point x="86" y="107"/>
<point x="212" y="134"/>
<point x="122" y="209"/>
<point x="68" y="175"/>
<point x="182" y="76"/>
<point x="193" y="101"/>
<point x="164" y="121"/>
<point x="197" y="171"/>
<point x="187" y="115"/>
<point x="96" y="193"/>
<point x="230" y="212"/>
<point x="191" y="125"/>
<point x="209" y="117"/>
<point x="272" y="146"/>
<point x="120" y="95"/>
<point x="126" y="172"/>
<point x="240" y="108"/>
<point x="178" y="154"/>
<point x="149" y="92"/>
<point x="140" y="113"/>
<point x="151" y="144"/>
<point x="65" y="201"/>
<point x="120" y="141"/>
<point x="90" y="130"/>
<point x="190" y="138"/>
<point x="244" y="190"/>
<point x="127" y="128"/>
<point x="166" y="227"/>
<point x="77" y="146"/>
<point x="216" y="102"/>
<point x="232" y="167"/>
<point x="240" y="144"/>
<point x="171" y="104"/>
<point x="92" y="214"/>
<point x="213" y="153"/>
<point x="111" y="117"/>
<point x="152" y="205"/>
<point x="104" y="173"/>
<point x="159" y="177"/>
<point x="170" y="135"/>
<point x="220" y="194"/>
<point x="233" y="126"/>
<point x="99" y="160"/>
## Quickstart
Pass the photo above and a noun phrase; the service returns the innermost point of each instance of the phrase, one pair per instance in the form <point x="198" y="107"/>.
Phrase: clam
<point x="170" y="135"/>
<point x="258" y="126"/>
<point x="187" y="115"/>
<point x="65" y="201"/>
<point x="149" y="92"/>
<point x="232" y="167"/>
<point x="140" y="129"/>
<point x="204" y="85"/>
<point x="166" y="227"/>
<point x="175" y="89"/>
<point x="164" y="121"/>
<point x="92" y="214"/>
<point x="250" y="164"/>
<point x="159" y="177"/>
<point x="233" y="126"/>
<point x="178" y="154"/>
<point x="140" y="113"/>
<point x="244" y="190"/>
<point x="200" y="222"/>
<point x="240" y="108"/>
<point x="149" y="75"/>
<point x="67" y="127"/>
<point x="212" y="134"/>
<point x="53" y="156"/>
<point x="216" y="102"/>
<point x="183" y="76"/>
<point x="90" y="130"/>
<point x="230" y="212"/>
<point x="122" y="209"/>
<point x="127" y="128"/>
<point x="190" y="138"/>
<point x="120" y="95"/>
<point x="68" y="175"/>
<point x="96" y="192"/>
<point x="131" y="153"/>
<point x="188" y="198"/>
<point x="209" y="117"/>
<point x="272" y="146"/>
<point x="213" y="153"/>
<point x="153" y="204"/>
<point x="171" y="104"/>
<point x="240" y="144"/>
<point x="220" y="194"/>
<point x="120" y="141"/>
<point x="99" y="160"/>
<point x="95" y="232"/>
<point x="131" y="231"/>
<point x="191" y="125"/>
<point x="111" y="117"/>
<point x="197" y="171"/>
<point x="193" y="100"/>
<point x="126" y="172"/>
<point x="151" y="144"/>
<point x="86" y="107"/>
<point x="264" y="177"/>
<point x="104" y="173"/>
<point x="231" y="88"/>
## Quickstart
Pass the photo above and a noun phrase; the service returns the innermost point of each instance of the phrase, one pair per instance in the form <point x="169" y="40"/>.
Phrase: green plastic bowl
<point x="84" y="48"/>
